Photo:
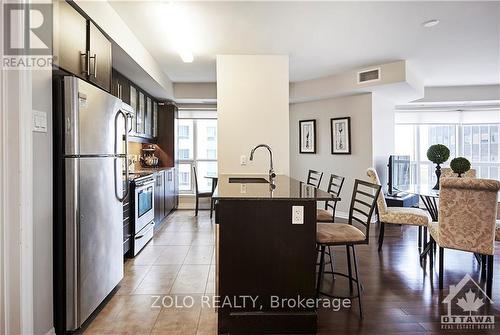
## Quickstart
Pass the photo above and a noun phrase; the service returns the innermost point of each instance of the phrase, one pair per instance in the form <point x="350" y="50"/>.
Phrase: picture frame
<point x="307" y="136"/>
<point x="340" y="131"/>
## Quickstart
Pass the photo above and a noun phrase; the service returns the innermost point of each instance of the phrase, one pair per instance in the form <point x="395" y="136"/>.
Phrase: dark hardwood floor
<point x="400" y="295"/>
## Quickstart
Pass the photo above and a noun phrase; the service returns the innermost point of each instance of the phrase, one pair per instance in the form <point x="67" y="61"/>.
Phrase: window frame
<point x="194" y="161"/>
<point x="418" y="161"/>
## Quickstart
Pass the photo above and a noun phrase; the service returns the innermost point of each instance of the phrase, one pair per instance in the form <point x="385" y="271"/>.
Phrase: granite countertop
<point x="153" y="169"/>
<point x="286" y="189"/>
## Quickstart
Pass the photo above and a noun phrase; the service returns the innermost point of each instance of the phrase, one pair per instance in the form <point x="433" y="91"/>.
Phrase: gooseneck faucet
<point x="272" y="175"/>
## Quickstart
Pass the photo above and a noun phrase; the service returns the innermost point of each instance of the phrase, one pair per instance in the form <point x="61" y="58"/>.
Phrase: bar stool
<point x="347" y="234"/>
<point x="324" y="215"/>
<point x="334" y="188"/>
<point x="314" y="178"/>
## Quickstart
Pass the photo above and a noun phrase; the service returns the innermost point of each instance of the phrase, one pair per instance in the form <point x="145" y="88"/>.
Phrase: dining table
<point x="214" y="179"/>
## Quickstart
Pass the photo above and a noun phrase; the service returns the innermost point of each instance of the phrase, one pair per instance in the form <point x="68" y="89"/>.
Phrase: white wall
<point x="252" y="107"/>
<point x="461" y="93"/>
<point x="382" y="134"/>
<point x="359" y="108"/>
<point x="42" y="206"/>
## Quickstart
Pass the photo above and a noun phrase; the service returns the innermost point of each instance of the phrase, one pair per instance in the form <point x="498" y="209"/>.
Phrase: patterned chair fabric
<point x="497" y="231"/>
<point x="374" y="179"/>
<point x="467" y="215"/>
<point x="448" y="172"/>
<point x="397" y="215"/>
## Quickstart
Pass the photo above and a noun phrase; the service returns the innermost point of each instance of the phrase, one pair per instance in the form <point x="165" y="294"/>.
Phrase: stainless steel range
<point x="143" y="205"/>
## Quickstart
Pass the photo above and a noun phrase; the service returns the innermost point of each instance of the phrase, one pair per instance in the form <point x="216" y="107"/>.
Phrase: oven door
<point x="144" y="205"/>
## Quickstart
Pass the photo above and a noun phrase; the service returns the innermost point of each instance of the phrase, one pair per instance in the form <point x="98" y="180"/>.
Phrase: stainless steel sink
<point x="247" y="180"/>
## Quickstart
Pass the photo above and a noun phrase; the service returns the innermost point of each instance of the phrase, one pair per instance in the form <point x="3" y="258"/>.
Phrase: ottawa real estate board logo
<point x="468" y="307"/>
<point x="27" y="36"/>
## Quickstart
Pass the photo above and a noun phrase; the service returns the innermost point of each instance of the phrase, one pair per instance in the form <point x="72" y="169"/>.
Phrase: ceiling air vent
<point x="368" y="75"/>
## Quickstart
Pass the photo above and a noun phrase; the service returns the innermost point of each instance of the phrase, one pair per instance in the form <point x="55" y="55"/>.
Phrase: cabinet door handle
<point x="94" y="66"/>
<point x="86" y="61"/>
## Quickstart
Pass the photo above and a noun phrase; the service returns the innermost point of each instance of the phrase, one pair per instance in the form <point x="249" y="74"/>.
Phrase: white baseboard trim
<point x="342" y="215"/>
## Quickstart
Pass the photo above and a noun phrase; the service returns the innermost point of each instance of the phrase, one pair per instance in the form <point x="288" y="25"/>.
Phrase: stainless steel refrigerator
<point x="90" y="158"/>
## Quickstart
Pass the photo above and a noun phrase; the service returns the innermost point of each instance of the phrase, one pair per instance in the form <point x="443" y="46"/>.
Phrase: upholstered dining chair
<point x="397" y="215"/>
<point x="355" y="232"/>
<point x="314" y="178"/>
<point x="334" y="187"/>
<point x="467" y="215"/>
<point x="448" y="172"/>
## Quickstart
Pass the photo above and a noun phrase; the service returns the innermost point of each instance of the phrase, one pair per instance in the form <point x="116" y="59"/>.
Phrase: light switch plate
<point x="39" y="121"/>
<point x="243" y="160"/>
<point x="297" y="214"/>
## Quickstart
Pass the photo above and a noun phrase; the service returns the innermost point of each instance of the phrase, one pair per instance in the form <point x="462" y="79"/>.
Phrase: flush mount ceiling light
<point x="179" y="31"/>
<point x="430" y="23"/>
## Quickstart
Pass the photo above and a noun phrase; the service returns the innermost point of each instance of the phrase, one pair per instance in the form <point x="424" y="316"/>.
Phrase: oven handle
<point x="141" y="236"/>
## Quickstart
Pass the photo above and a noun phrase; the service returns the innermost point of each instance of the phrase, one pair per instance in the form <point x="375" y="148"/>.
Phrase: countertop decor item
<point x="460" y="165"/>
<point x="438" y="154"/>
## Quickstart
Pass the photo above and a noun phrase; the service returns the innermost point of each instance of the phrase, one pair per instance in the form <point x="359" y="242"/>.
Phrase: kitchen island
<point x="266" y="254"/>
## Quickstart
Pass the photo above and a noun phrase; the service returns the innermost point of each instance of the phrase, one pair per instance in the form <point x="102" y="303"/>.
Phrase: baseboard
<point x="341" y="215"/>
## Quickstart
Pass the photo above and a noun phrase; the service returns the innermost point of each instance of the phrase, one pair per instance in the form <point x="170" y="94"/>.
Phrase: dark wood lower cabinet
<point x="260" y="254"/>
<point x="165" y="198"/>
<point x="128" y="218"/>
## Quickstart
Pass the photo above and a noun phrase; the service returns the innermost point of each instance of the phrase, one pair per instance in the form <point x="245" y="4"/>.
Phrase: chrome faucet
<point x="272" y="175"/>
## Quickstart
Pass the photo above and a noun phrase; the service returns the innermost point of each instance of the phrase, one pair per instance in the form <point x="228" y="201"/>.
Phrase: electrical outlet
<point x="243" y="160"/>
<point x="297" y="214"/>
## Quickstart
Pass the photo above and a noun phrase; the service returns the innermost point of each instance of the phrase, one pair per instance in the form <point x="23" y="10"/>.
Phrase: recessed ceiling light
<point x="430" y="23"/>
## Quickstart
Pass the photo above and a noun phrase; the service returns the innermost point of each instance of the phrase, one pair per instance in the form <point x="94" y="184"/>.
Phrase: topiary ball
<point x="460" y="165"/>
<point x="438" y="153"/>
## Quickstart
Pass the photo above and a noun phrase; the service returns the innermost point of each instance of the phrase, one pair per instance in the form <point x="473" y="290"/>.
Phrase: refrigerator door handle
<point x="125" y="118"/>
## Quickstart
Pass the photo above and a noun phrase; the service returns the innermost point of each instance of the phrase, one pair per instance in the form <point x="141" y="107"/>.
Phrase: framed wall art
<point x="341" y="135"/>
<point x="307" y="136"/>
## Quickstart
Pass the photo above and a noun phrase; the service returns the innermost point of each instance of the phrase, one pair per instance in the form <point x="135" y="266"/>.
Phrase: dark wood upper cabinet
<point x="80" y="47"/>
<point x="99" y="58"/>
<point x="70" y="39"/>
<point x="122" y="89"/>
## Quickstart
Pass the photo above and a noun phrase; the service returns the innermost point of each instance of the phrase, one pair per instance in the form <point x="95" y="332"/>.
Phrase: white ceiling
<point x="324" y="38"/>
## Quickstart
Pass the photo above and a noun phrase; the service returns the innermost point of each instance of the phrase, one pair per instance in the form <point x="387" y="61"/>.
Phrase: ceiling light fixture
<point x="179" y="31"/>
<point x="430" y="23"/>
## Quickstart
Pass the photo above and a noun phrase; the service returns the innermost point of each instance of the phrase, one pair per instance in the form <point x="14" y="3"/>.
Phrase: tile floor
<point x="400" y="296"/>
<point x="178" y="262"/>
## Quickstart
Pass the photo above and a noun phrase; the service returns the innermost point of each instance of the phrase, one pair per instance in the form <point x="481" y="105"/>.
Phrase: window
<point x="183" y="131"/>
<point x="477" y="142"/>
<point x="197" y="140"/>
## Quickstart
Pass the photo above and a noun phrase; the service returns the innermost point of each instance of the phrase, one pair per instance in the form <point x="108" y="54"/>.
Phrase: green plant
<point x="460" y="165"/>
<point x="438" y="153"/>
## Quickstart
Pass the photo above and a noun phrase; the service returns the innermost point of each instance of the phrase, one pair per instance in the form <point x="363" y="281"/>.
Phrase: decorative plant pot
<point x="438" y="175"/>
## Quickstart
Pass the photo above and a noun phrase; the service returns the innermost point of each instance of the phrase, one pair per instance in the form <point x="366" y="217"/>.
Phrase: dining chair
<point x="448" y="172"/>
<point x="334" y="187"/>
<point x="355" y="232"/>
<point x="467" y="220"/>
<point x="200" y="194"/>
<point x="314" y="178"/>
<point x="397" y="215"/>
